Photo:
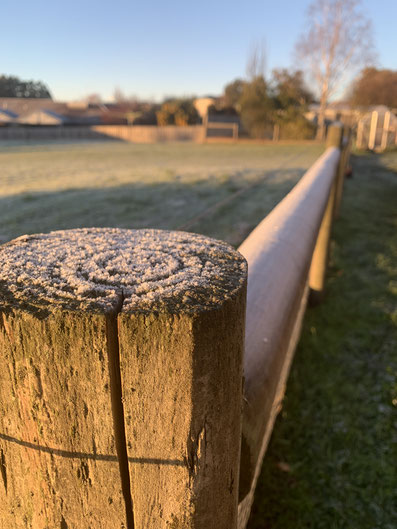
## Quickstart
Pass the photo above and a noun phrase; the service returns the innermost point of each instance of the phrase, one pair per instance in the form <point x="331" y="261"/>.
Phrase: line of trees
<point x="11" y="86"/>
<point x="261" y="104"/>
<point x="375" y="87"/>
<point x="177" y="112"/>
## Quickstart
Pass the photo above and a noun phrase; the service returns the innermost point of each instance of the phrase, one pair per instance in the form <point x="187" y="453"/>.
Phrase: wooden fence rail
<point x="286" y="256"/>
<point x="121" y="365"/>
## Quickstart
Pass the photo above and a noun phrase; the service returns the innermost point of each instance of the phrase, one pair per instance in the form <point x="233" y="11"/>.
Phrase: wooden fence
<point x="211" y="132"/>
<point x="377" y="131"/>
<point x="129" y="133"/>
<point x="219" y="129"/>
<point x="122" y="360"/>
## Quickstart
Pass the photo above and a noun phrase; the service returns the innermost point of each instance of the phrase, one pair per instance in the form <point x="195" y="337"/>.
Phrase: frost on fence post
<point x="120" y="380"/>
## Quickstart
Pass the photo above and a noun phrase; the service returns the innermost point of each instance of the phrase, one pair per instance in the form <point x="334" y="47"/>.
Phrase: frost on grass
<point x="106" y="268"/>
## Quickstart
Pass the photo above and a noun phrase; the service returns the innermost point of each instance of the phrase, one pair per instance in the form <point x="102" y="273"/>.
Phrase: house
<point x="46" y="112"/>
<point x="7" y="116"/>
<point x="43" y="117"/>
<point x="202" y="104"/>
<point x="26" y="105"/>
<point x="62" y="117"/>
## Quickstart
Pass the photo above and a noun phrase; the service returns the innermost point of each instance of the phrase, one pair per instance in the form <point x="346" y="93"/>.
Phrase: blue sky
<point x="158" y="48"/>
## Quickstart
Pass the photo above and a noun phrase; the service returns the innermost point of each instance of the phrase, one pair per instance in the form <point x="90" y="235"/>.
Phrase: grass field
<point x="59" y="186"/>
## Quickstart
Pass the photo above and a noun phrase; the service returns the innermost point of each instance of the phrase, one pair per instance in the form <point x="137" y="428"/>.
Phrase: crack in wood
<point x="3" y="469"/>
<point x="113" y="350"/>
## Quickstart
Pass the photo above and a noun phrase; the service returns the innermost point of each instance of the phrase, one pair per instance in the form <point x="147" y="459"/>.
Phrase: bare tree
<point x="256" y="63"/>
<point x="335" y="45"/>
<point x="119" y="96"/>
<point x="93" y="99"/>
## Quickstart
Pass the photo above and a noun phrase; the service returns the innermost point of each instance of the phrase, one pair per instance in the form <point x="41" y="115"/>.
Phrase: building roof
<point x="36" y="111"/>
<point x="42" y="116"/>
<point x="7" y="115"/>
<point x="21" y="105"/>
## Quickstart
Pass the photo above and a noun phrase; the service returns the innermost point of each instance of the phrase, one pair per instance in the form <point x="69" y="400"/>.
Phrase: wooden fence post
<point x="120" y="380"/>
<point x="276" y="132"/>
<point x="385" y="132"/>
<point x="318" y="267"/>
<point x="205" y="128"/>
<point x="360" y="135"/>
<point x="341" y="171"/>
<point x="235" y="131"/>
<point x="373" y="130"/>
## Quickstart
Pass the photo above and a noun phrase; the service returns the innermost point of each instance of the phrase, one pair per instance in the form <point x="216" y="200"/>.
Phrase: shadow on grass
<point x="331" y="459"/>
<point x="165" y="205"/>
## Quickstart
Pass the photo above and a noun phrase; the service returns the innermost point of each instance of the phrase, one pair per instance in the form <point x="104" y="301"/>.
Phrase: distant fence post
<point x="276" y="132"/>
<point x="120" y="380"/>
<point x="205" y="128"/>
<point x="360" y="135"/>
<point x="373" y="130"/>
<point x="342" y="166"/>
<point x="318" y="267"/>
<point x="385" y="132"/>
<point x="235" y="131"/>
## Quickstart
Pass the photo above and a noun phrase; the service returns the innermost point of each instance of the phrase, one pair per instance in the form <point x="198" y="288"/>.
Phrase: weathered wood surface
<point x="77" y="433"/>
<point x="278" y="253"/>
<point x="183" y="367"/>
<point x="187" y="373"/>
<point x="58" y="458"/>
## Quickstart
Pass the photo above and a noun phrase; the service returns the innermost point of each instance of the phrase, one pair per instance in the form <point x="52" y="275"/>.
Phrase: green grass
<point x="60" y="186"/>
<point x="332" y="459"/>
